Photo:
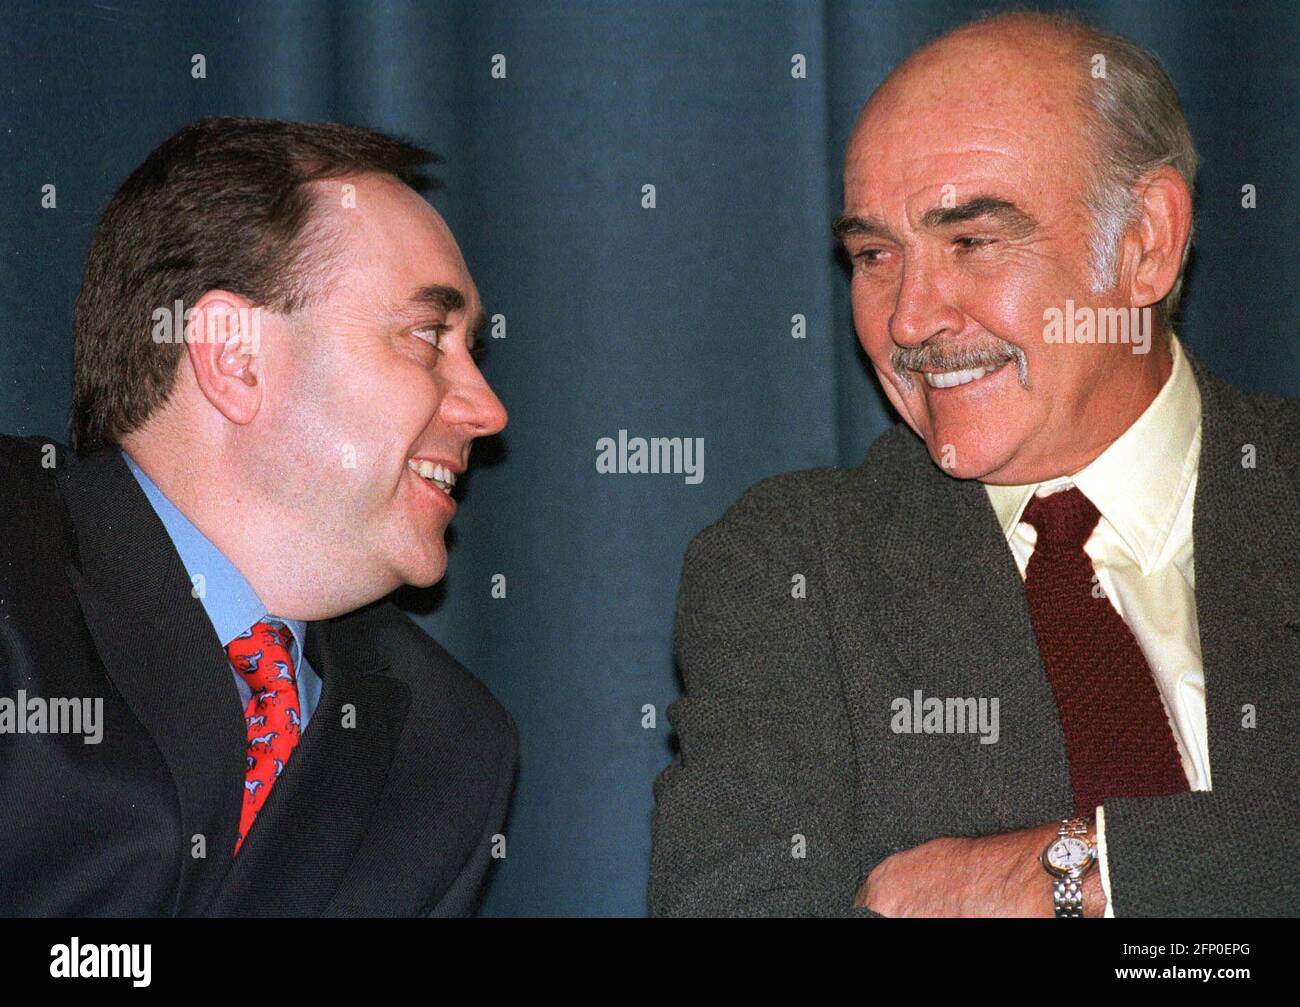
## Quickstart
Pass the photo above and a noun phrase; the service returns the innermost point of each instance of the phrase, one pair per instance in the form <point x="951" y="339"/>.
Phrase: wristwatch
<point x="1067" y="859"/>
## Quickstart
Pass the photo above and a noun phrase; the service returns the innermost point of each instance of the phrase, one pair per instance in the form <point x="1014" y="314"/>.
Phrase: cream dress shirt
<point x="1144" y="485"/>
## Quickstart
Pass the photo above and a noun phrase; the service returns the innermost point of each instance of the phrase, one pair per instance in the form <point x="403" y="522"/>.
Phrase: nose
<point x="470" y="404"/>
<point x="922" y="309"/>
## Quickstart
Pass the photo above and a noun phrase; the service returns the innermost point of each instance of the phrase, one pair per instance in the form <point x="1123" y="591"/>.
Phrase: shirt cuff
<point x="1101" y="858"/>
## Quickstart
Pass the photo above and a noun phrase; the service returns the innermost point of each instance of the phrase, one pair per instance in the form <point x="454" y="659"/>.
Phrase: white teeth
<point x="441" y="476"/>
<point x="951" y="379"/>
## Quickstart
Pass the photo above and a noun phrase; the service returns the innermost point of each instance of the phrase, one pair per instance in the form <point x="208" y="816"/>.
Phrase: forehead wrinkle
<point x="980" y="164"/>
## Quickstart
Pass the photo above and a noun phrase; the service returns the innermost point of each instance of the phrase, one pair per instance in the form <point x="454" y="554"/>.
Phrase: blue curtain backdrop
<point x="672" y="321"/>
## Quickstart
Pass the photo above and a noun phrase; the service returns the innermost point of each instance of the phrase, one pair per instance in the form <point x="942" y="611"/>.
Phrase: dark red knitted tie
<point x="1117" y="734"/>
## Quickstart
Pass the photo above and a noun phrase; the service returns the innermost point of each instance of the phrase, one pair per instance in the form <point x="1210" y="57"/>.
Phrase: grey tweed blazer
<point x="784" y="725"/>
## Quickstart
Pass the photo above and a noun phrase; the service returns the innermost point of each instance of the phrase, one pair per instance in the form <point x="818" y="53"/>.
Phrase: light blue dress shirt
<point x="231" y="604"/>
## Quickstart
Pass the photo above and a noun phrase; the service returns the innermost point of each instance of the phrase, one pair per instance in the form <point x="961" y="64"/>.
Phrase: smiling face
<point x="372" y="382"/>
<point x="965" y="222"/>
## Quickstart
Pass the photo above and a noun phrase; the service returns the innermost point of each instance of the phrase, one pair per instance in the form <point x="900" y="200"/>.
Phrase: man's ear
<point x="1163" y="227"/>
<point x="223" y="341"/>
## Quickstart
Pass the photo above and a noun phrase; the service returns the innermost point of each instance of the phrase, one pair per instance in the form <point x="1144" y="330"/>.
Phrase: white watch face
<point x="1068" y="852"/>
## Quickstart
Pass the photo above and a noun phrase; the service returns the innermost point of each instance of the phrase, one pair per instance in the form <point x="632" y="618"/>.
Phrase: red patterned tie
<point x="261" y="655"/>
<point x="1117" y="733"/>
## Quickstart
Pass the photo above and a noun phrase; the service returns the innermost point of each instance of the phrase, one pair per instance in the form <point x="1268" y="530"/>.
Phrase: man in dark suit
<point x="980" y="674"/>
<point x="205" y="707"/>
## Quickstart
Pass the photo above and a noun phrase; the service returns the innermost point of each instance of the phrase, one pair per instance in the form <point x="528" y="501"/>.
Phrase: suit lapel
<point x="316" y="814"/>
<point x="934" y="575"/>
<point x="162" y="655"/>
<point x="1246" y="540"/>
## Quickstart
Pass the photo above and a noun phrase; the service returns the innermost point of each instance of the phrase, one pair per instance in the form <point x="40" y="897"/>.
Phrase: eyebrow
<point x="1002" y="211"/>
<point x="440" y="296"/>
<point x="850" y="226"/>
<point x="1006" y="213"/>
<point x="448" y="299"/>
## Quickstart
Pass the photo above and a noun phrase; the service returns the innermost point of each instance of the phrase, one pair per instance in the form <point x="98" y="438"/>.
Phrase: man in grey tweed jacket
<point x="823" y="600"/>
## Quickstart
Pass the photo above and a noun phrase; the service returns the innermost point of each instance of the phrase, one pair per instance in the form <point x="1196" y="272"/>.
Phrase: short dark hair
<point x="222" y="204"/>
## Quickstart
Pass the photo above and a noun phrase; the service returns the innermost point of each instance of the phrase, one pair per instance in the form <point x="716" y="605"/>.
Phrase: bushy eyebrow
<point x="848" y="225"/>
<point x="1004" y="212"/>
<point x="440" y="296"/>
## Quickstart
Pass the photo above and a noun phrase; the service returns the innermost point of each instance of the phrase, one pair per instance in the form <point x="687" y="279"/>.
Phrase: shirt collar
<point x="1140" y="481"/>
<point x="230" y="602"/>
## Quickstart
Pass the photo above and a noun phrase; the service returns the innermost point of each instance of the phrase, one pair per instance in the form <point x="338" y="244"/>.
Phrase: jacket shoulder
<point x="1234" y="419"/>
<point x="436" y="680"/>
<point x="787" y="504"/>
<point x="37" y="525"/>
<point x="27" y="464"/>
<point x="1276" y="414"/>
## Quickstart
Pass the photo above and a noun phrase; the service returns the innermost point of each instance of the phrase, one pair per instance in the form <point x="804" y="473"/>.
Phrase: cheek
<point x="402" y="398"/>
<point x="871" y="311"/>
<point x="365" y="417"/>
<point x="1011" y="309"/>
<point x="1012" y="301"/>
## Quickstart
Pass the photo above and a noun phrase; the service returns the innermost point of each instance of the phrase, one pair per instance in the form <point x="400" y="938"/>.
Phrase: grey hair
<point x="1135" y="125"/>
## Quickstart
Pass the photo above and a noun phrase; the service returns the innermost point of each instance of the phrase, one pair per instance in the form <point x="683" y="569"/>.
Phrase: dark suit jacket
<point x="393" y="816"/>
<point x="784" y="725"/>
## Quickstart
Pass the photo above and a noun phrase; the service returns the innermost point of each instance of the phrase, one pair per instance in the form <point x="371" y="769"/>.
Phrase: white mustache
<point x="905" y="360"/>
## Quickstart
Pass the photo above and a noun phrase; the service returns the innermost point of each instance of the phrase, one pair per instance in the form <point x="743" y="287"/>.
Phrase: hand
<point x="991" y="876"/>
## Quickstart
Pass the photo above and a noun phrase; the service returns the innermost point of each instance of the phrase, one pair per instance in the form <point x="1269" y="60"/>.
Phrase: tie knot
<point x="261" y="655"/>
<point x="1064" y="519"/>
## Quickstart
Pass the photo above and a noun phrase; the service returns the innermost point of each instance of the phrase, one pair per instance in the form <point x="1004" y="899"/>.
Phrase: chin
<point x="965" y="459"/>
<point x="427" y="574"/>
<point x="425" y="571"/>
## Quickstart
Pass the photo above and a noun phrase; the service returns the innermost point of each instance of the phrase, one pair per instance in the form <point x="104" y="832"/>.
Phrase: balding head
<point x="986" y="60"/>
